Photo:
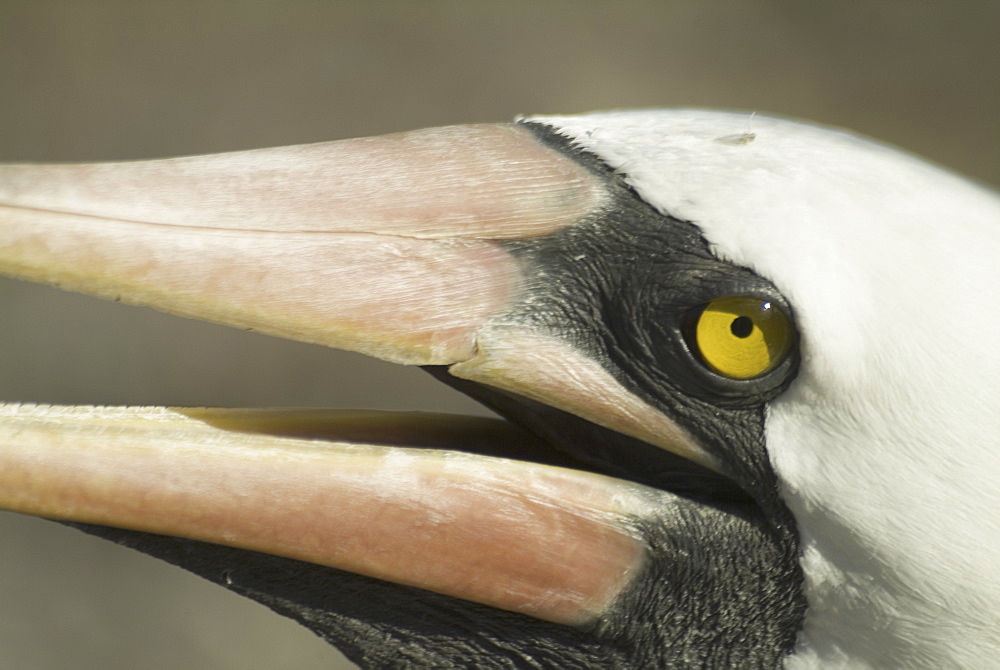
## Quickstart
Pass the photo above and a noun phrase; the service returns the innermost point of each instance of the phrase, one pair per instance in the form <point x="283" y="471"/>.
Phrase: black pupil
<point x="741" y="326"/>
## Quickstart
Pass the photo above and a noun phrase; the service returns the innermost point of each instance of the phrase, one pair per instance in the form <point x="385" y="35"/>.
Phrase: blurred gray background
<point x="103" y="79"/>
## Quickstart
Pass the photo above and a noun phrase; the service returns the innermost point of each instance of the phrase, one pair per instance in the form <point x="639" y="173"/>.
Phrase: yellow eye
<point x="741" y="337"/>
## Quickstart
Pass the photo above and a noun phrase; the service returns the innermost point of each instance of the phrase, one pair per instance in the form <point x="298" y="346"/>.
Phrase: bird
<point x="745" y="369"/>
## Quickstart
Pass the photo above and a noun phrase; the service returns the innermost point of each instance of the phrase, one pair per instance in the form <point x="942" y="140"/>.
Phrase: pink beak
<point x="395" y="247"/>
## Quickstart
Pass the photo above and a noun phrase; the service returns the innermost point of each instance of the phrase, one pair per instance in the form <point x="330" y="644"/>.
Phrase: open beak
<point x="401" y="247"/>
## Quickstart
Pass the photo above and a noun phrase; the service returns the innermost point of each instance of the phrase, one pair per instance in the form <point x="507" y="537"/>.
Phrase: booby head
<point x="747" y="370"/>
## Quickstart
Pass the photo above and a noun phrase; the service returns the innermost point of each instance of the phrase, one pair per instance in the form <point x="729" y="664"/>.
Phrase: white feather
<point x="888" y="442"/>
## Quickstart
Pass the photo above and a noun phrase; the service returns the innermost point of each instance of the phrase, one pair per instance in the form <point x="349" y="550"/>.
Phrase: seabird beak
<point x="402" y="247"/>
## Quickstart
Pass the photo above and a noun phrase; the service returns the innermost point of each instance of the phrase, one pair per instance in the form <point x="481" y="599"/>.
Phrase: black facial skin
<point x="621" y="287"/>
<point x="723" y="588"/>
